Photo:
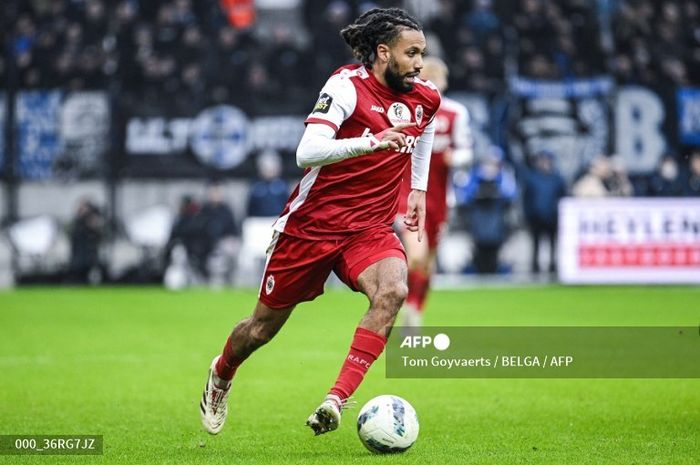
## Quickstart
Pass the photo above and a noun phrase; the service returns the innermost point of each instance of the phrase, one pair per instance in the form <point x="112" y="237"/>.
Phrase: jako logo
<point x="440" y="341"/>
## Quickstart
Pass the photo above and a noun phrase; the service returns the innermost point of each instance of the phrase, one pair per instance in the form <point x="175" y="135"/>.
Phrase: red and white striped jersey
<point x="355" y="194"/>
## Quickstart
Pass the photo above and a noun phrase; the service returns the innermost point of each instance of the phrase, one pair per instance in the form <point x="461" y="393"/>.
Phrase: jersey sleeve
<point x="335" y="103"/>
<point x="434" y="100"/>
<point x="420" y="159"/>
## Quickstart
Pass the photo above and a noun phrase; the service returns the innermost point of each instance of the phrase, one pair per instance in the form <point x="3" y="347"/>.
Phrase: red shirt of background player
<point x="356" y="194"/>
<point x="451" y="134"/>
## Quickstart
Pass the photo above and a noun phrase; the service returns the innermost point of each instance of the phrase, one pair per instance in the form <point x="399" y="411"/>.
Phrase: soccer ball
<point x="387" y="424"/>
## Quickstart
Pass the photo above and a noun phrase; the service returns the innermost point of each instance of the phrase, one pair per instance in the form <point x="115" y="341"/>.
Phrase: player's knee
<point x="391" y="295"/>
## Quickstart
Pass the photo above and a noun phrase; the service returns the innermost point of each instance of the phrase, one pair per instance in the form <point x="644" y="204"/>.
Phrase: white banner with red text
<point x="629" y="240"/>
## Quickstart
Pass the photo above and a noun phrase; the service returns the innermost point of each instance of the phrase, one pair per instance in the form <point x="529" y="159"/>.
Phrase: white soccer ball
<point x="387" y="424"/>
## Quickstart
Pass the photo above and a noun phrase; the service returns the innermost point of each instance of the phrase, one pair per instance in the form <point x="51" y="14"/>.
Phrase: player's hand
<point x="415" y="213"/>
<point x="391" y="138"/>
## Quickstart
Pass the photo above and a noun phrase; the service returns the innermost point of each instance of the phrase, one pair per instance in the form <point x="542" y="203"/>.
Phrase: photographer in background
<point x="86" y="231"/>
<point x="543" y="187"/>
<point x="487" y="194"/>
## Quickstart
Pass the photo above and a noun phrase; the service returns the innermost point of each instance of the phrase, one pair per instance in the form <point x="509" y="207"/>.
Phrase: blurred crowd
<point x="186" y="54"/>
<point x="186" y="51"/>
<point x="495" y="197"/>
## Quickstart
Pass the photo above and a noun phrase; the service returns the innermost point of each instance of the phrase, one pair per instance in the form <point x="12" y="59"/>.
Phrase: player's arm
<point x="319" y="147"/>
<point x="420" y="169"/>
<point x="336" y="103"/>
<point x="462" y="141"/>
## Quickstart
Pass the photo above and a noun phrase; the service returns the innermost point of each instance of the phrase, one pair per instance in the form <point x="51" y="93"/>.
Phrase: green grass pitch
<point x="130" y="364"/>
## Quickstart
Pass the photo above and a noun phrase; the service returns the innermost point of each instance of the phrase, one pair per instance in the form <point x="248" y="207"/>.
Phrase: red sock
<point x="365" y="348"/>
<point x="412" y="297"/>
<point x="418" y="285"/>
<point x="228" y="362"/>
<point x="422" y="288"/>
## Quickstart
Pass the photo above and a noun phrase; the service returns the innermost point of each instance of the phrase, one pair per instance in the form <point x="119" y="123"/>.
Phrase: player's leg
<point x="374" y="263"/>
<point x="384" y="284"/>
<point x="295" y="272"/>
<point x="421" y="263"/>
<point x="417" y="254"/>
<point x="552" y="232"/>
<point x="535" y="234"/>
<point x="247" y="336"/>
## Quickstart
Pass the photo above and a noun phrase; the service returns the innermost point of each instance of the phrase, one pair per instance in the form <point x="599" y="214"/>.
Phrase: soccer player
<point x="371" y="120"/>
<point x="452" y="146"/>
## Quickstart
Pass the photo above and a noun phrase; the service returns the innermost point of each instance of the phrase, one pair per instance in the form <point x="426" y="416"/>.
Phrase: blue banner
<point x="573" y="88"/>
<point x="38" y="138"/>
<point x="689" y="115"/>
<point x="569" y="119"/>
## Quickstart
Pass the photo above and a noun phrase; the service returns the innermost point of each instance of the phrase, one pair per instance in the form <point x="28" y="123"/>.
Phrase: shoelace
<point x="348" y="404"/>
<point x="218" y="398"/>
<point x="343" y="404"/>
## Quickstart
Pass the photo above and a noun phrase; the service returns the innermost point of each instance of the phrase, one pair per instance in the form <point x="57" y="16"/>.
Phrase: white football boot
<point x="412" y="317"/>
<point x="212" y="407"/>
<point x="412" y="321"/>
<point x="327" y="416"/>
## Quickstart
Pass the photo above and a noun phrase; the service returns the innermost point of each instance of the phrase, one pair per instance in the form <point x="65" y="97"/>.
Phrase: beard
<point x="395" y="80"/>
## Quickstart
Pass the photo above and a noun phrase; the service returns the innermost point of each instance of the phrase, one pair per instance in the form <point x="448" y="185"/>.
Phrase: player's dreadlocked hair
<point x="376" y="26"/>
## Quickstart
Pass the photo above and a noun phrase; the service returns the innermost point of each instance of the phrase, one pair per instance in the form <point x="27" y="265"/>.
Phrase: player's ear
<point x="383" y="53"/>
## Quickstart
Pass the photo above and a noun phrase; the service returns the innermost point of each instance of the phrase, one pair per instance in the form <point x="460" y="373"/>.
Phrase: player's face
<point x="405" y="60"/>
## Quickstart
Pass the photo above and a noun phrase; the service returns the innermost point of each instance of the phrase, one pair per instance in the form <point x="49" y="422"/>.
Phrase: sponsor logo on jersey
<point x="399" y="113"/>
<point x="269" y="284"/>
<point x="377" y="108"/>
<point x="419" y="114"/>
<point x="411" y="141"/>
<point x="323" y="104"/>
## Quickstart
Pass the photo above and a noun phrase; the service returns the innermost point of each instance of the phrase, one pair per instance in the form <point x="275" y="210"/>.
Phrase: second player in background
<point x="452" y="147"/>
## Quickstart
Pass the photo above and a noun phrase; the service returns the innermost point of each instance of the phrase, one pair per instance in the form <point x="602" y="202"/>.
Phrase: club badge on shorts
<point x="269" y="284"/>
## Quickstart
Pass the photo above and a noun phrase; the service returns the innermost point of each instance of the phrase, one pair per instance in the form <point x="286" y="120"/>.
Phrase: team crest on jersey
<point x="269" y="284"/>
<point x="399" y="113"/>
<point x="323" y="104"/>
<point x="419" y="114"/>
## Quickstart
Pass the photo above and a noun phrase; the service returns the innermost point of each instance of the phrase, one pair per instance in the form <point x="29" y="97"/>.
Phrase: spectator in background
<point x="593" y="183"/>
<point x="482" y="20"/>
<point x="187" y="231"/>
<point x="692" y="185"/>
<point x="232" y="52"/>
<point x="222" y="236"/>
<point x="618" y="184"/>
<point x="269" y="193"/>
<point x="543" y="187"/>
<point x="487" y="195"/>
<point x="167" y="50"/>
<point x="666" y="181"/>
<point x="86" y="234"/>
